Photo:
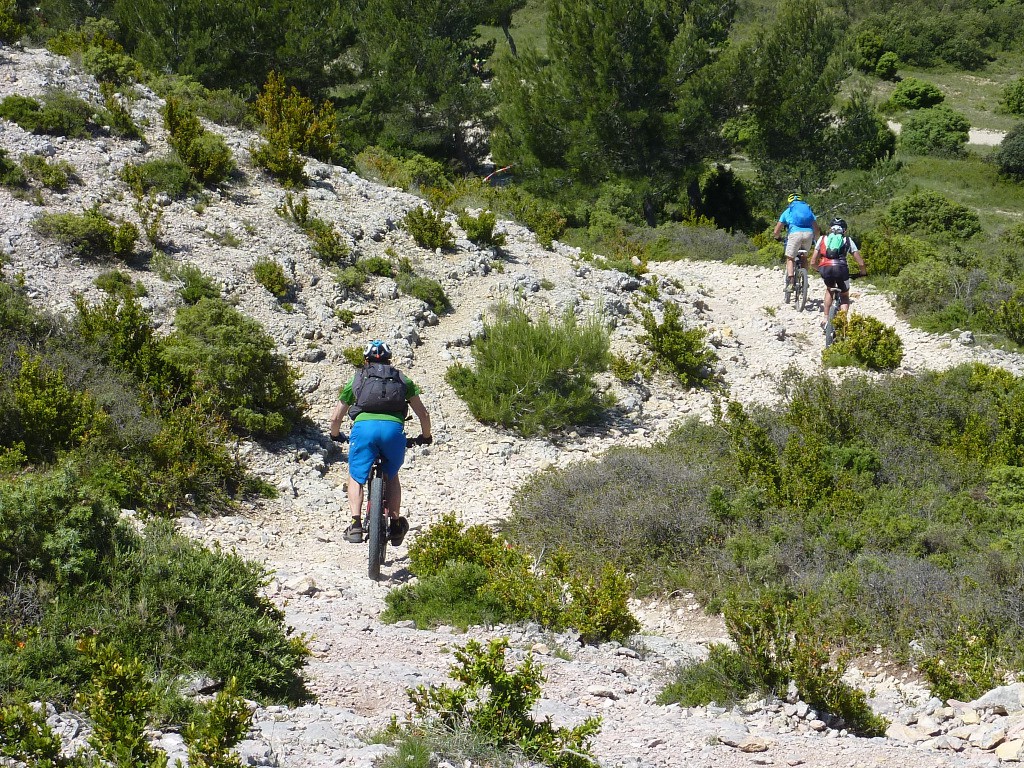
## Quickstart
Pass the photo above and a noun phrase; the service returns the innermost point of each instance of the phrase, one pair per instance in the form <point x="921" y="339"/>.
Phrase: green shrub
<point x="56" y="174"/>
<point x="723" y="678"/>
<point x="887" y="252"/>
<point x="280" y="162"/>
<point x="429" y="229"/>
<point x="599" y="608"/>
<point x="495" y="703"/>
<point x="291" y="126"/>
<point x="935" y="131"/>
<point x="10" y="30"/>
<point x="111" y="66"/>
<point x="230" y="357"/>
<point x="11" y="174"/>
<point x="887" y="67"/>
<point x="91" y="33"/>
<point x="409" y="172"/>
<point x="354" y="356"/>
<point x="967" y="665"/>
<point x="117" y="282"/>
<point x="219" y="726"/>
<point x="380" y="266"/>
<point x="681" y="351"/>
<point x="454" y="596"/>
<point x="546" y="221"/>
<point x="293" y="121"/>
<point x="426" y="289"/>
<point x="1010" y="155"/>
<point x="119" y="703"/>
<point x="922" y="285"/>
<point x="61" y="114"/>
<point x="448" y="541"/>
<point x="869" y="342"/>
<point x="163" y="174"/>
<point x="479" y="229"/>
<point x="327" y="243"/>
<point x="195" y="284"/>
<point x="911" y="93"/>
<point x="1010" y="318"/>
<point x="205" y="154"/>
<point x="25" y="736"/>
<point x="534" y="376"/>
<point x="1012" y="98"/>
<point x="933" y="213"/>
<point x="270" y="274"/>
<point x="90" y="234"/>
<point x="350" y="278"/>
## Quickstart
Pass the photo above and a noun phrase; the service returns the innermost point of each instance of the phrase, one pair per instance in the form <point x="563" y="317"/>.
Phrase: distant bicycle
<point x="797" y="284"/>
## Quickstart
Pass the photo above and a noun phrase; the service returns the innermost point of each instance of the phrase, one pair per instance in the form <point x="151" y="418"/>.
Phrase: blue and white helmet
<point x="377" y="351"/>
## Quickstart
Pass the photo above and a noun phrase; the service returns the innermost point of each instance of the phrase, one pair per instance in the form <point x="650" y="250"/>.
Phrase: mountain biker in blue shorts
<point x="378" y="397"/>
<point x="802" y="227"/>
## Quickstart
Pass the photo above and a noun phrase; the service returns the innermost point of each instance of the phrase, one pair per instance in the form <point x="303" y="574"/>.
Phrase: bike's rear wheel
<point x="830" y="327"/>
<point x="376" y="535"/>
<point x="802" y="285"/>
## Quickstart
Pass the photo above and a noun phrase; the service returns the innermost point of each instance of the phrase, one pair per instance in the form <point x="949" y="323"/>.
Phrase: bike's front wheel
<point x="376" y="535"/>
<point x="802" y="285"/>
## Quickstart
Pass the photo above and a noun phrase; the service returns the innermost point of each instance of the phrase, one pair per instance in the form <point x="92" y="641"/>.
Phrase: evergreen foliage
<point x="205" y="154"/>
<point x="90" y="234"/>
<point x="935" y="131"/>
<point x="534" y="375"/>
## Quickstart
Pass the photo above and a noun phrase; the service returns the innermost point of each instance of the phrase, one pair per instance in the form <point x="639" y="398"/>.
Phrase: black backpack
<point x="379" y="388"/>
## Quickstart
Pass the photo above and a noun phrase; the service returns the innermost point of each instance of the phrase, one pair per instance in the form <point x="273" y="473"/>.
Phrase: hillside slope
<point x="361" y="668"/>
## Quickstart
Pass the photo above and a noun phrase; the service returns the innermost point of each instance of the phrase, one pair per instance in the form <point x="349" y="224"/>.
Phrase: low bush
<point x="724" y="678"/>
<point x="534" y="375"/>
<point x="229" y="357"/>
<point x="1010" y="155"/>
<point x="270" y="274"/>
<point x="912" y="93"/>
<point x="205" y="154"/>
<point x="888" y="66"/>
<point x="966" y="665"/>
<point x="110" y="66"/>
<point x="680" y="351"/>
<point x="11" y="174"/>
<point x="935" y="131"/>
<point x="870" y="343"/>
<point x="1011" y="100"/>
<point x="408" y="172"/>
<point x="167" y="175"/>
<point x="887" y="252"/>
<point x="933" y="213"/>
<point x="923" y="285"/>
<point x="449" y="541"/>
<point x="455" y="595"/>
<point x="479" y="229"/>
<point x="426" y="289"/>
<point x="429" y="229"/>
<point x="10" y="29"/>
<point x="118" y="283"/>
<point x="90" y="234"/>
<point x="327" y="244"/>
<point x="546" y="221"/>
<point x="60" y="114"/>
<point x="195" y="284"/>
<point x="52" y="174"/>
<point x="495" y="704"/>
<point x="292" y="125"/>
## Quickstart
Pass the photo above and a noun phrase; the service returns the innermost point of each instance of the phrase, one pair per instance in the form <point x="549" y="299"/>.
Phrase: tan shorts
<point x="799" y="241"/>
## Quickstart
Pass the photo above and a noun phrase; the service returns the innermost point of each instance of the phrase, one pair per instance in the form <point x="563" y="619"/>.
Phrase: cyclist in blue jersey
<point x="802" y="227"/>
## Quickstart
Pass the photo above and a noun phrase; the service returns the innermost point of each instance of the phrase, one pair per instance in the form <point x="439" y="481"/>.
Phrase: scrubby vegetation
<point x="96" y="418"/>
<point x="469" y="576"/>
<point x="205" y="154"/>
<point x="90" y="234"/>
<point x="429" y="229"/>
<point x="885" y="506"/>
<point x="534" y="375"/>
<point x="863" y="341"/>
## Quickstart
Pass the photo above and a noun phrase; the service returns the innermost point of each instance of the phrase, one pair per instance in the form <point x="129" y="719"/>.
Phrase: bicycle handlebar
<point x="409" y="441"/>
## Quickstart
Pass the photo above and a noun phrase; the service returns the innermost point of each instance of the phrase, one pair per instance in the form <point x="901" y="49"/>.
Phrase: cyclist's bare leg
<point x="394" y="496"/>
<point x="845" y="303"/>
<point x="355" y="498"/>
<point x="828" y="302"/>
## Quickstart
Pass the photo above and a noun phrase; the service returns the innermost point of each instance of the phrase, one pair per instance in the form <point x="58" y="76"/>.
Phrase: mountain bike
<point x="376" y="520"/>
<point x="837" y="295"/>
<point x="797" y="284"/>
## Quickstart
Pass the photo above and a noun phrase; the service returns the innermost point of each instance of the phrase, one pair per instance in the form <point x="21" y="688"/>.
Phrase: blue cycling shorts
<point x="371" y="438"/>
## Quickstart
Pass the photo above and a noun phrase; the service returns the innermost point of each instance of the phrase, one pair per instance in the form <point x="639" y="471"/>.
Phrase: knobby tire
<point x="830" y="328"/>
<point x="377" y="536"/>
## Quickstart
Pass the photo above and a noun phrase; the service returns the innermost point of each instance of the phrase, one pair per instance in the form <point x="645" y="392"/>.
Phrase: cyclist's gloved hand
<point x="425" y="439"/>
<point x="339" y="438"/>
